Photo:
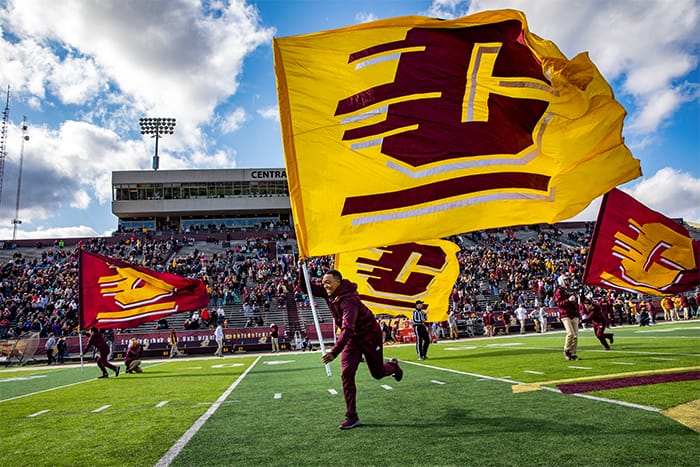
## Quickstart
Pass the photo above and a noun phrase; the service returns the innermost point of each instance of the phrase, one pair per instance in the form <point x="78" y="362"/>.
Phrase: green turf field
<point x="473" y="402"/>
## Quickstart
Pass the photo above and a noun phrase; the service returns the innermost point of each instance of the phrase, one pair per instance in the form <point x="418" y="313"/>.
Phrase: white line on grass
<point x="57" y="387"/>
<point x="585" y="396"/>
<point x="387" y="387"/>
<point x="533" y="372"/>
<point x="580" y="367"/>
<point x="41" y="412"/>
<point x="169" y="456"/>
<point x="436" y="381"/>
<point x="333" y="392"/>
<point x="664" y="359"/>
<point x="623" y="363"/>
<point x="100" y="409"/>
<point x="278" y="395"/>
<point x="161" y="404"/>
<point x="45" y="390"/>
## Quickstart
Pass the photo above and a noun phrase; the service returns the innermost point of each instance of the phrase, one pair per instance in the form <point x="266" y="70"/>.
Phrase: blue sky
<point x="83" y="73"/>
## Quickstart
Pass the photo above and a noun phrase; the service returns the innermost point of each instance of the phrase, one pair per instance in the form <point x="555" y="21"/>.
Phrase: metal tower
<point x="3" y="139"/>
<point x="16" y="221"/>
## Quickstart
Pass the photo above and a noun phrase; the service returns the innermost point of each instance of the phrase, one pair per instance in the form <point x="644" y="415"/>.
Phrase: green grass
<point x="467" y="420"/>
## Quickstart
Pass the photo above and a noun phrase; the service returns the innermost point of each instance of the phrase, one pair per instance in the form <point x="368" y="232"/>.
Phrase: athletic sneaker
<point x="612" y="340"/>
<point x="575" y="357"/>
<point x="567" y="355"/>
<point x="350" y="423"/>
<point x="116" y="372"/>
<point x="398" y="372"/>
<point x="103" y="376"/>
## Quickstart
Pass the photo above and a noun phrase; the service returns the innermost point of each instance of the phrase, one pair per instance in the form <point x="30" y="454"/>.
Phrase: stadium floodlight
<point x="157" y="127"/>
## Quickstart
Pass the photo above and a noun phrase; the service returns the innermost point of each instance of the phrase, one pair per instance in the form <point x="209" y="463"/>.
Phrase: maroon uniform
<point x="97" y="342"/>
<point x="360" y="335"/>
<point x="595" y="316"/>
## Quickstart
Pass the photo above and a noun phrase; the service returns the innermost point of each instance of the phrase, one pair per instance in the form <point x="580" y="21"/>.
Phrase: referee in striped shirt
<point x="419" y="327"/>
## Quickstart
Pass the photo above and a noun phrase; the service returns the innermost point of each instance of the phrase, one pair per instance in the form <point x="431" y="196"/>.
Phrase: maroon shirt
<point x="596" y="316"/>
<point x="567" y="308"/>
<point x="98" y="341"/>
<point x="134" y="353"/>
<point x="354" y="319"/>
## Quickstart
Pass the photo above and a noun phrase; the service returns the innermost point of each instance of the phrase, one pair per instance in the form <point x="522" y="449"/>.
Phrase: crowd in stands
<point x="499" y="270"/>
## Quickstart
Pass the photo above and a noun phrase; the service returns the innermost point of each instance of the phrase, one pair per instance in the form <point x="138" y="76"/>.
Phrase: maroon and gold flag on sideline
<point x="391" y="279"/>
<point x="640" y="250"/>
<point x="117" y="294"/>
<point x="412" y="128"/>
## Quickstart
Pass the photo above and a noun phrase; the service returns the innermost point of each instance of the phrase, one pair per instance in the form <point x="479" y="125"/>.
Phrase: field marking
<point x="279" y="362"/>
<point x="437" y="382"/>
<point x="387" y="387"/>
<point x="664" y="359"/>
<point x="169" y="456"/>
<point x="333" y="392"/>
<point x="688" y="414"/>
<point x="45" y="390"/>
<point x="100" y="409"/>
<point x="226" y="365"/>
<point x="161" y="404"/>
<point x="532" y="372"/>
<point x="278" y="395"/>
<point x="668" y="329"/>
<point x="528" y="387"/>
<point x="580" y="367"/>
<point x="21" y="378"/>
<point x="41" y="412"/>
<point x="518" y="384"/>
<point x="623" y="363"/>
<point x="471" y="347"/>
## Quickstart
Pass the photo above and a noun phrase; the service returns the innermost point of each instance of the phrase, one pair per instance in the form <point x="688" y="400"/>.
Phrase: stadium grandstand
<point x="232" y="229"/>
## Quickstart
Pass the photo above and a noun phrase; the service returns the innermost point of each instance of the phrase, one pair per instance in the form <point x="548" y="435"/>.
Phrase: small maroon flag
<point x="640" y="250"/>
<point x="117" y="294"/>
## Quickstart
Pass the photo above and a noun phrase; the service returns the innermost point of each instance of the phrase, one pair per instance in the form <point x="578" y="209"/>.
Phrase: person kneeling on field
<point x="133" y="357"/>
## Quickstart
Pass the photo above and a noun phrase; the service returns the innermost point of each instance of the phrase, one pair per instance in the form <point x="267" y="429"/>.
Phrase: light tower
<point x="157" y="127"/>
<point x="16" y="221"/>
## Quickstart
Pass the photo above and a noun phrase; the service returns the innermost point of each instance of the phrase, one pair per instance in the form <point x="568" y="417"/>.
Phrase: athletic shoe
<point x="398" y="372"/>
<point x="350" y="423"/>
<point x="103" y="376"/>
<point x="612" y="340"/>
<point x="116" y="373"/>
<point x="567" y="355"/>
<point x="575" y="357"/>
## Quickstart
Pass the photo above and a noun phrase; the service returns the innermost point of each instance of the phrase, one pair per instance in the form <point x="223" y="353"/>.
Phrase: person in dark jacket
<point x="567" y="302"/>
<point x="595" y="315"/>
<point x="97" y="341"/>
<point x="134" y="353"/>
<point x="360" y="336"/>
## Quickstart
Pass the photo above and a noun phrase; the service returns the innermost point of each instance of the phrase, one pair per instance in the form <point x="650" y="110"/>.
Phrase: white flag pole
<point x="80" y="343"/>
<point x="315" y="315"/>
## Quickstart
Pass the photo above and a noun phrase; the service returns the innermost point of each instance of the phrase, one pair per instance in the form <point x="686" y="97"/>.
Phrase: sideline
<point x="172" y="453"/>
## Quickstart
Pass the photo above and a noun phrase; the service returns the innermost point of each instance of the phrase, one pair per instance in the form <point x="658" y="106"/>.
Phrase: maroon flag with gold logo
<point x="640" y="250"/>
<point x="117" y="294"/>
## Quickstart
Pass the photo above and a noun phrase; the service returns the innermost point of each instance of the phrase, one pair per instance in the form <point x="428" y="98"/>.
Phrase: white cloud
<point x="363" y="17"/>
<point x="234" y="120"/>
<point x="673" y="193"/>
<point x="270" y="113"/>
<point x="649" y="47"/>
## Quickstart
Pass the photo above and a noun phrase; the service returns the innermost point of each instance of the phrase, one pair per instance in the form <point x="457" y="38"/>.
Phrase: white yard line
<point x="584" y="396"/>
<point x="100" y="409"/>
<point x="333" y="392"/>
<point x="278" y="395"/>
<point x="172" y="453"/>
<point x="41" y="412"/>
<point x="161" y="404"/>
<point x="387" y="387"/>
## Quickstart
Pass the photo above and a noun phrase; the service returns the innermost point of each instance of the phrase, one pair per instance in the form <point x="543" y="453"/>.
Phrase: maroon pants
<point x="350" y="358"/>
<point x="600" y="333"/>
<point x="103" y="363"/>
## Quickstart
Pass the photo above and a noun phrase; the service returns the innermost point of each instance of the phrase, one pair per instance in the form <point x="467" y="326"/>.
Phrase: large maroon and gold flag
<point x="117" y="294"/>
<point x="640" y="250"/>
<point x="414" y="128"/>
<point x="391" y="279"/>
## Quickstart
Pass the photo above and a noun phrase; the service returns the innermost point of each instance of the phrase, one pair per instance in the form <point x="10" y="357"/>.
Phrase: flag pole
<point x="80" y="343"/>
<point x="314" y="314"/>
